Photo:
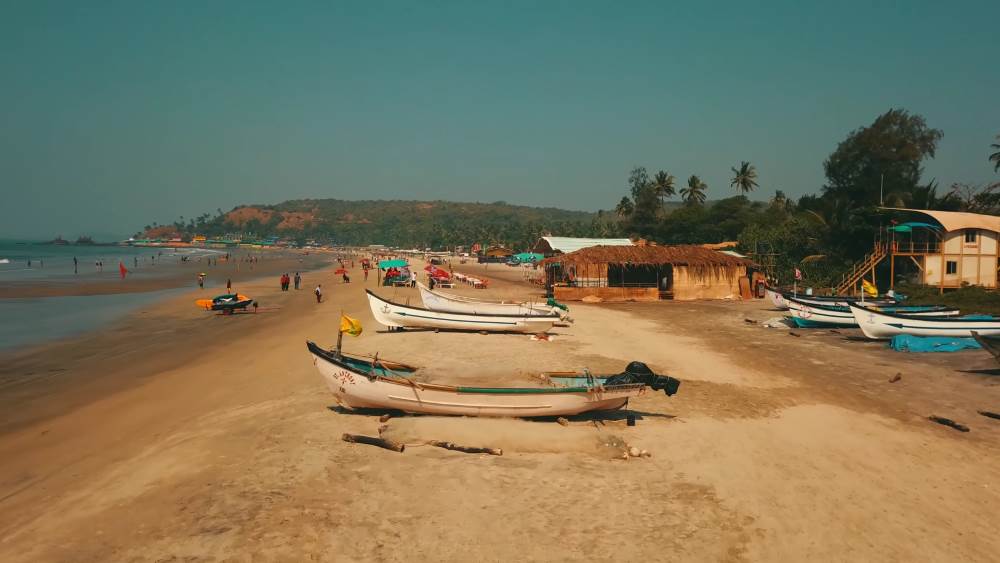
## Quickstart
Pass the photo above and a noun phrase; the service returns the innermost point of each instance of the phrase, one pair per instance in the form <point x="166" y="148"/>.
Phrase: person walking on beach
<point x="75" y="271"/>
<point x="298" y="280"/>
<point x="347" y="279"/>
<point x="365" y="270"/>
<point x="413" y="278"/>
<point x="229" y="285"/>
<point x="201" y="281"/>
<point x="319" y="293"/>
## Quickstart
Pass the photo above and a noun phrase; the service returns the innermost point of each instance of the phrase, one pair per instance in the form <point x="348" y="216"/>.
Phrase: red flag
<point x="121" y="269"/>
<point x="798" y="274"/>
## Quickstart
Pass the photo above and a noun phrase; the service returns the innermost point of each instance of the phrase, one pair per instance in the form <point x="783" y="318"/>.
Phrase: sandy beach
<point x="181" y="435"/>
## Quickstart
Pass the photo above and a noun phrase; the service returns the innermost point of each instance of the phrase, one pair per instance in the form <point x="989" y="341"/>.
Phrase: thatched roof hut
<point x="647" y="273"/>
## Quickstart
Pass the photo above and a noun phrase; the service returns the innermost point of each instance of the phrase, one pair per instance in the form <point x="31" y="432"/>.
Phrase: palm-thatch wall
<point x="647" y="273"/>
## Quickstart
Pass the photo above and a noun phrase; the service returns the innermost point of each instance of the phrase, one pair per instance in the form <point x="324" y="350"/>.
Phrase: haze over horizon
<point x="119" y="114"/>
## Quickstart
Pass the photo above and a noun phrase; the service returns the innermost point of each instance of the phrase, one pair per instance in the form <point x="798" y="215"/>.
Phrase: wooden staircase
<point x="849" y="280"/>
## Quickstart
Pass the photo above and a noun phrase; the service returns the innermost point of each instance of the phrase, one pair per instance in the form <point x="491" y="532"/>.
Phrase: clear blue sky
<point x="116" y="114"/>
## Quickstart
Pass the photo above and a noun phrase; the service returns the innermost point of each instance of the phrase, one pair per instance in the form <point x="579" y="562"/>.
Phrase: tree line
<point x="878" y="165"/>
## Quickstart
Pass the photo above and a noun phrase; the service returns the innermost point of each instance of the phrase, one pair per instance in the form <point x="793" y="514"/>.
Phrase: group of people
<point x="286" y="281"/>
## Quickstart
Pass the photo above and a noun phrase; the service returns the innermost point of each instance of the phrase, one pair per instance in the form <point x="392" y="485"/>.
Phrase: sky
<point x="117" y="114"/>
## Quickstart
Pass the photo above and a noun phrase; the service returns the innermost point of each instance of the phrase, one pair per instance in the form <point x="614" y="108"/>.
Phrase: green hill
<point x="434" y="224"/>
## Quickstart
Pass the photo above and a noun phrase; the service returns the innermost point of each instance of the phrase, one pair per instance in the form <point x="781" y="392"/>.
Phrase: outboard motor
<point x="638" y="372"/>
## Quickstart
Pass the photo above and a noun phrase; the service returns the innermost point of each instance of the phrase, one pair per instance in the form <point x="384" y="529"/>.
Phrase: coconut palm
<point x="995" y="157"/>
<point x="663" y="183"/>
<point x="744" y="177"/>
<point x="624" y="207"/>
<point x="694" y="192"/>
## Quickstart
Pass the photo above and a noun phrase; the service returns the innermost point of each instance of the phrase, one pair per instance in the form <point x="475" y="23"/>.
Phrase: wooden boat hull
<point x="990" y="344"/>
<point x="396" y="315"/>
<point x="449" y="303"/>
<point x="880" y="325"/>
<point x="356" y="390"/>
<point x="807" y="315"/>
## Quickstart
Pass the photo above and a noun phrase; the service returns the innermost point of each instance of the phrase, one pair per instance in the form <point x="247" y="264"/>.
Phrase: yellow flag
<point x="349" y="325"/>
<point x="870" y="289"/>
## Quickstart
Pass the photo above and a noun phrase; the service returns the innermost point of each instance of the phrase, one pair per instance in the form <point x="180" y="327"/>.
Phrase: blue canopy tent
<point x="399" y="264"/>
<point x="528" y="257"/>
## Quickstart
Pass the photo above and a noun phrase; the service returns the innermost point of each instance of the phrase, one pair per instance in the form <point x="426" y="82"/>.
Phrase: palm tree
<point x="694" y="193"/>
<point x="624" y="207"/>
<point x="744" y="177"/>
<point x="995" y="157"/>
<point x="663" y="183"/>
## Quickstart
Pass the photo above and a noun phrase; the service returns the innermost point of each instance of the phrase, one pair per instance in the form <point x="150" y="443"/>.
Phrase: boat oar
<point x="380" y="442"/>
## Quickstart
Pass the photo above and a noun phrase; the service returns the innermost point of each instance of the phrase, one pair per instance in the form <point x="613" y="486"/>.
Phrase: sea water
<point x="23" y="260"/>
<point x="36" y="320"/>
<point x="25" y="321"/>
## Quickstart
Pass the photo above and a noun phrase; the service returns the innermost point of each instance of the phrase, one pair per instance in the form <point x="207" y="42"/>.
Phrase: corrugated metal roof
<point x="955" y="220"/>
<point x="570" y="244"/>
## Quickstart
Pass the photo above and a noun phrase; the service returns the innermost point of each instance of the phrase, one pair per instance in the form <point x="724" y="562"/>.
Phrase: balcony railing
<point x="911" y="247"/>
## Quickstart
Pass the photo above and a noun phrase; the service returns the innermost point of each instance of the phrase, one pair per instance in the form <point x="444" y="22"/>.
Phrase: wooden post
<point x="387" y="444"/>
<point x="892" y="266"/>
<point x="944" y="268"/>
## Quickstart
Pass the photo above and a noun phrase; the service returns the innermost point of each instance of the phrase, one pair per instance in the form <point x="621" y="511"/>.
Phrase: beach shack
<point x="949" y="248"/>
<point x="944" y="249"/>
<point x="646" y="273"/>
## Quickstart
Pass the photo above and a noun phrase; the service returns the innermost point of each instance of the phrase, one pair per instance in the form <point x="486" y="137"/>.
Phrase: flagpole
<point x="340" y="332"/>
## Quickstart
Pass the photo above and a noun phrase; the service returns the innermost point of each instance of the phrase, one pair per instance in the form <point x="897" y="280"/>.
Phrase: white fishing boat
<point x="879" y="324"/>
<point x="356" y="387"/>
<point x="396" y="315"/>
<point x="776" y="298"/>
<point x="451" y="303"/>
<point x="807" y="315"/>
<point x="780" y="299"/>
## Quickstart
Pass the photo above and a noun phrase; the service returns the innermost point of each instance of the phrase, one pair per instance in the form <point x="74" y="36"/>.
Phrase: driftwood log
<point x="989" y="414"/>
<point x="468" y="450"/>
<point x="380" y="442"/>
<point x="948" y="422"/>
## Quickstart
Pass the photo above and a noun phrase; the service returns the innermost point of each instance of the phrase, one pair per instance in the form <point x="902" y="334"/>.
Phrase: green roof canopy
<point x="397" y="263"/>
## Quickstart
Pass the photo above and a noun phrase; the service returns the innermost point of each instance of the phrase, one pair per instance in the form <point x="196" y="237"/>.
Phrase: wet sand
<point x="178" y="434"/>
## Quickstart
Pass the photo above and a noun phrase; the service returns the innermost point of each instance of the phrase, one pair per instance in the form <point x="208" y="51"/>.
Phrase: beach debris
<point x="795" y="334"/>
<point x="592" y="299"/>
<point x="896" y="377"/>
<point x="562" y="421"/>
<point x="633" y="451"/>
<point x="948" y="422"/>
<point x="385" y="417"/>
<point x="382" y="443"/>
<point x="466" y="449"/>
<point x="775" y="322"/>
<point x="542" y="337"/>
<point x="989" y="414"/>
<point x="750" y="321"/>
